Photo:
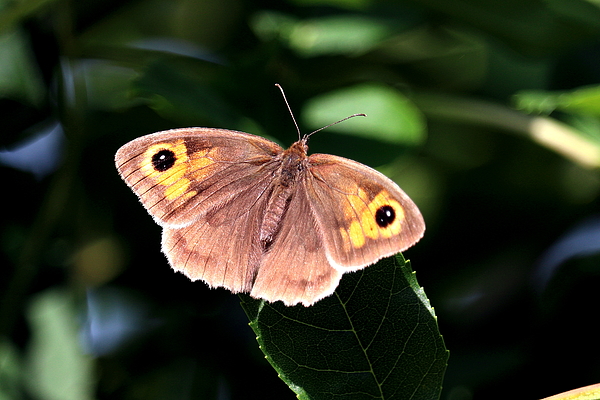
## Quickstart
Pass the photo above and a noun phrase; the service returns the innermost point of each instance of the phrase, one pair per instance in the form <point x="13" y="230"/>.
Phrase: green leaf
<point x="19" y="78"/>
<point x="10" y="371"/>
<point x="350" y="35"/>
<point x="57" y="368"/>
<point x="583" y="100"/>
<point x="347" y="4"/>
<point x="376" y="337"/>
<point x="391" y="117"/>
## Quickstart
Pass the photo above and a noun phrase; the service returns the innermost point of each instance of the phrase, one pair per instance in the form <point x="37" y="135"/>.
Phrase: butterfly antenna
<point x="318" y="130"/>
<point x="337" y="122"/>
<point x="290" y="110"/>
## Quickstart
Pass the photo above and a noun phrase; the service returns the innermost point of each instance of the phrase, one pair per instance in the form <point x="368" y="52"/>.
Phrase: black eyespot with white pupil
<point x="385" y="216"/>
<point x="163" y="160"/>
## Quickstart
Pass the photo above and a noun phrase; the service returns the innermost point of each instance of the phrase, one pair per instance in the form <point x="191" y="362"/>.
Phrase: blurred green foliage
<point x="485" y="112"/>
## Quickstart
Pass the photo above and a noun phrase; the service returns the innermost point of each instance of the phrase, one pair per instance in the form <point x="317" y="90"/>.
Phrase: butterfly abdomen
<point x="293" y="164"/>
<point x="276" y="209"/>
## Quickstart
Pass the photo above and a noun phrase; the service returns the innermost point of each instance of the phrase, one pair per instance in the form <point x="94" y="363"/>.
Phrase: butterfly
<point x="240" y="212"/>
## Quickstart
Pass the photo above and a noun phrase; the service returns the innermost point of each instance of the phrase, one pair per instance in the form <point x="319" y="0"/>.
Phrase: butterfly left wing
<point x="363" y="215"/>
<point x="208" y="189"/>
<point x="222" y="246"/>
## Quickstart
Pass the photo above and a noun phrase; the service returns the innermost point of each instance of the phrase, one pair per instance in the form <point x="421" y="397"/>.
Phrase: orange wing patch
<point x="174" y="179"/>
<point x="361" y="214"/>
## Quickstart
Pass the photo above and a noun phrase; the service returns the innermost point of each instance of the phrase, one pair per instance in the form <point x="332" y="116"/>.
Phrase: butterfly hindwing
<point x="363" y="215"/>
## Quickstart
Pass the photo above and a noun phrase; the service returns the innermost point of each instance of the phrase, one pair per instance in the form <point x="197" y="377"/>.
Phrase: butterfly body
<point x="240" y="212"/>
<point x="293" y="164"/>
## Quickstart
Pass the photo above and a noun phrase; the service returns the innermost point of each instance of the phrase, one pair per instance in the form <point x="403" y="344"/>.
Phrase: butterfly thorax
<point x="294" y="163"/>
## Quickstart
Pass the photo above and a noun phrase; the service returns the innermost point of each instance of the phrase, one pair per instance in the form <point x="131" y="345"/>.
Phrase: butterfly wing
<point x="295" y="268"/>
<point x="181" y="174"/>
<point x="363" y="215"/>
<point x="208" y="188"/>
<point x="222" y="246"/>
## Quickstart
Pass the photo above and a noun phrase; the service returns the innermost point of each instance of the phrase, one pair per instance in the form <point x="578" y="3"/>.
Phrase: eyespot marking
<point x="163" y="160"/>
<point x="385" y="215"/>
<point x="167" y="164"/>
<point x="371" y="219"/>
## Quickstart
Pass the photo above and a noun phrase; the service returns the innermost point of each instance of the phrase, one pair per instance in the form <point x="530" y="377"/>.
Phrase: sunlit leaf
<point x="391" y="117"/>
<point x="350" y="35"/>
<point x="584" y="100"/>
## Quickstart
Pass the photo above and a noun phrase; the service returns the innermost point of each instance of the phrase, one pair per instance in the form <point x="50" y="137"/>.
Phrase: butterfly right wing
<point x="363" y="215"/>
<point x="182" y="174"/>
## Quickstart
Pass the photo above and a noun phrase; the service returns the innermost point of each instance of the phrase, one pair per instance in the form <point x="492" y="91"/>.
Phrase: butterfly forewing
<point x="182" y="173"/>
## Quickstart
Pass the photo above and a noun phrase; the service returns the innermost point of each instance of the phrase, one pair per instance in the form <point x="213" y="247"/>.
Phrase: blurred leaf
<point x="511" y="21"/>
<point x="176" y="94"/>
<point x="350" y="35"/>
<point x="107" y="84"/>
<point x="14" y="14"/>
<point x="582" y="11"/>
<point x="10" y="371"/>
<point x="376" y="337"/>
<point x="548" y="132"/>
<point x="19" y="77"/>
<point x="535" y="102"/>
<point x="391" y="117"/>
<point x="57" y="368"/>
<point x="582" y="108"/>
<point x="438" y="56"/>
<point x="587" y="124"/>
<point x="584" y="100"/>
<point x="130" y="23"/>
<point x="271" y="25"/>
<point x="348" y="4"/>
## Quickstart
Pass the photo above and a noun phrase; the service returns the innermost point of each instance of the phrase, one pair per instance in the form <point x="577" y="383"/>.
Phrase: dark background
<point x="510" y="257"/>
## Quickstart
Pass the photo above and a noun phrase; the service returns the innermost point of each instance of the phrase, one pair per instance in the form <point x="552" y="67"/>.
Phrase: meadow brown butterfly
<point x="240" y="212"/>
